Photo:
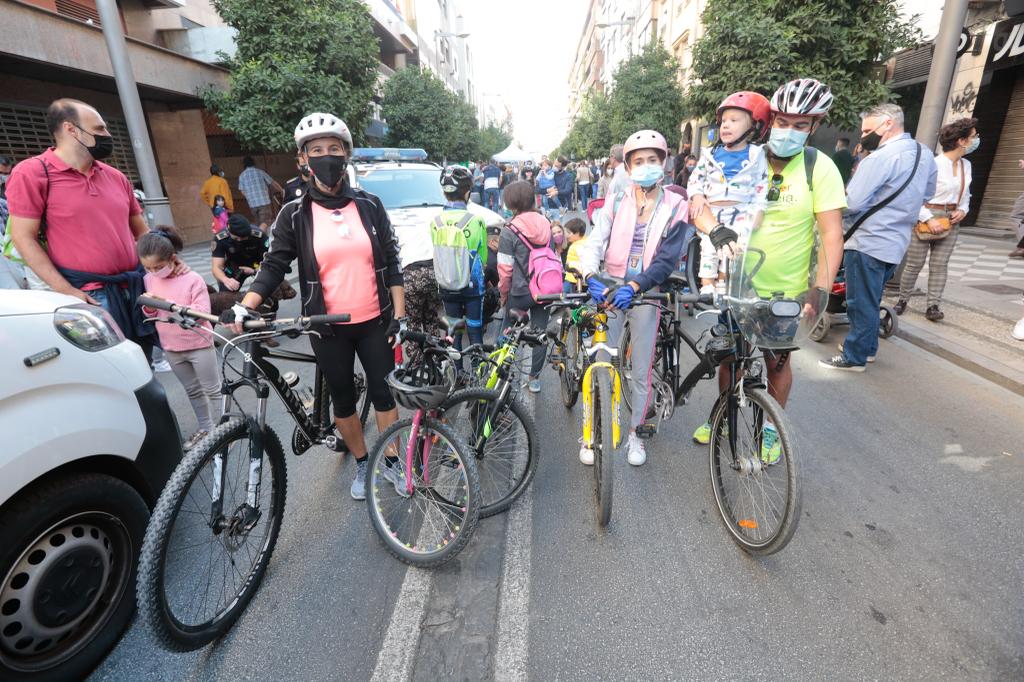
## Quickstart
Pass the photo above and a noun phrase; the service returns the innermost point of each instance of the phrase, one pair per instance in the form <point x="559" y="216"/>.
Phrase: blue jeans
<point x="466" y="304"/>
<point x="865" y="278"/>
<point x="552" y="206"/>
<point x="492" y="198"/>
<point x="584" y="192"/>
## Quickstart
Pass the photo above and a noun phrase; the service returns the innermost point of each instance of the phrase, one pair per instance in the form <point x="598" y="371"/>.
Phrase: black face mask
<point x="102" y="148"/>
<point x="329" y="170"/>
<point x="871" y="141"/>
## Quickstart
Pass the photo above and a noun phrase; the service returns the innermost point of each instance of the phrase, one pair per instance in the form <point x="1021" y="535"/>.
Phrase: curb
<point x="1008" y="378"/>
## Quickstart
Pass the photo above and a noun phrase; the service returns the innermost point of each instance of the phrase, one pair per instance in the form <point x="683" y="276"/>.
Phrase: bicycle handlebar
<point x="302" y="323"/>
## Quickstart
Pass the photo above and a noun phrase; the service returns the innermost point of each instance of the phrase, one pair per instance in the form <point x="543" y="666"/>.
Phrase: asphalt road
<point x="906" y="563"/>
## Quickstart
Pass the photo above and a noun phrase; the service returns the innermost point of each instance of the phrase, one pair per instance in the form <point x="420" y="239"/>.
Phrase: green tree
<point x="493" y="139"/>
<point x="292" y="59"/>
<point x="760" y="45"/>
<point x="422" y="112"/>
<point x="590" y="135"/>
<point x="645" y="94"/>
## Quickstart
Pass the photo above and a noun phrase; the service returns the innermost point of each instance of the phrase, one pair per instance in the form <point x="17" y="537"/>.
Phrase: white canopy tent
<point x="512" y="154"/>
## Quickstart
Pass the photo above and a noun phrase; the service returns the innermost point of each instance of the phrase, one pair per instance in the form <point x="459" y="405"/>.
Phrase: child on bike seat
<point x="729" y="184"/>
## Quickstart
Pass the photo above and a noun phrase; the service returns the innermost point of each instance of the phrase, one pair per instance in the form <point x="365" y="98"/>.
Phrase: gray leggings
<point x="643" y="331"/>
<point x="539" y="317"/>
<point x="197" y="371"/>
<point x="937" y="254"/>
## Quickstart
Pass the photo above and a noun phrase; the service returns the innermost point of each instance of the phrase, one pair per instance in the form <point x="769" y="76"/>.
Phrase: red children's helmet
<point x="758" y="106"/>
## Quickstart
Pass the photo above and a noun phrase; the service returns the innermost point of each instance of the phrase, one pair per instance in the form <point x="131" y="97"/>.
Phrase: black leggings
<point x="335" y="355"/>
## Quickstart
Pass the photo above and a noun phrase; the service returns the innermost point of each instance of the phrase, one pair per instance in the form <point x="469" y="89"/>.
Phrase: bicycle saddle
<point x="519" y="316"/>
<point x="453" y="325"/>
<point x="676" y="281"/>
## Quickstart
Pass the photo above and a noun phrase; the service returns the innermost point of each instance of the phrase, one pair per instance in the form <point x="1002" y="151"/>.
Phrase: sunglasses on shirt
<point x="774" y="189"/>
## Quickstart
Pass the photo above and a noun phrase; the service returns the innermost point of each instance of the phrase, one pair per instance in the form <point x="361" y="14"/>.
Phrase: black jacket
<point x="293" y="238"/>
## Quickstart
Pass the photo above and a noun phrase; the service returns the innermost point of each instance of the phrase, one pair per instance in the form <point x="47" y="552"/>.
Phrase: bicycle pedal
<point x="645" y="431"/>
<point x="336" y="444"/>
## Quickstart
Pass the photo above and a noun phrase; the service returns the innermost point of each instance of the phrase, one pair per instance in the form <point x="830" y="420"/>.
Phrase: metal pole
<point x="156" y="203"/>
<point x="940" y="76"/>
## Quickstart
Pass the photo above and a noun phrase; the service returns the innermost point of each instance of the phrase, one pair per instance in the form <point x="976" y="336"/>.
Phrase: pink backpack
<point x="544" y="268"/>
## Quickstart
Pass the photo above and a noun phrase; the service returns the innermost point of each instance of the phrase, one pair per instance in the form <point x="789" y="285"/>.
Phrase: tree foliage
<point x="422" y="112"/>
<point x="292" y="59"/>
<point x="493" y="139"/>
<point x="760" y="45"/>
<point x="644" y="94"/>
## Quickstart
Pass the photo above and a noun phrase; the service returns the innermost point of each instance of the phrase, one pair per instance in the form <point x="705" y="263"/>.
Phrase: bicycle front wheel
<point x="432" y="523"/>
<point x="754" y="473"/>
<point x="210" y="537"/>
<point x="604" y="444"/>
<point x="569" y="373"/>
<point x="503" y="437"/>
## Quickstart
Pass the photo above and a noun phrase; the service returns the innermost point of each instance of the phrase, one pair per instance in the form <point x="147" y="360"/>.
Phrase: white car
<point x="411" y="193"/>
<point x="89" y="441"/>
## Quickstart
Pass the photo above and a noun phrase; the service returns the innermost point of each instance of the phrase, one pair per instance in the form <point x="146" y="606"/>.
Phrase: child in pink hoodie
<point x="190" y="352"/>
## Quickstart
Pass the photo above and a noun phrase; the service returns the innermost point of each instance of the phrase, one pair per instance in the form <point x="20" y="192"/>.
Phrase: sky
<point x="523" y="51"/>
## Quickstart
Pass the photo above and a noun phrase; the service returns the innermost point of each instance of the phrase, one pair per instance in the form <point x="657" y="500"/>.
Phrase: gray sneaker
<point x="534" y="385"/>
<point x="358" y="488"/>
<point x="394" y="473"/>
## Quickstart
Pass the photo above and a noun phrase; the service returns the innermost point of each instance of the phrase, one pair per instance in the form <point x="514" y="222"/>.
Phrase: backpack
<point x="544" y="269"/>
<point x="454" y="260"/>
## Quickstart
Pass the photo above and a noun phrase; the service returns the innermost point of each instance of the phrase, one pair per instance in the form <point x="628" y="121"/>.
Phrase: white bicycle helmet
<point x="317" y="125"/>
<point x="804" y="97"/>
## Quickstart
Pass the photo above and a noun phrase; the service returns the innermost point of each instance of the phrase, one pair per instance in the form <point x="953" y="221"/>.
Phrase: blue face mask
<point x="786" y="143"/>
<point x="973" y="146"/>
<point x="647" y="174"/>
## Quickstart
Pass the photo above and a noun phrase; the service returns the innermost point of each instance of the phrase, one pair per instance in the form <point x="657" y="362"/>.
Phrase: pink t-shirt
<point x="86" y="215"/>
<point x="188" y="290"/>
<point x="345" y="256"/>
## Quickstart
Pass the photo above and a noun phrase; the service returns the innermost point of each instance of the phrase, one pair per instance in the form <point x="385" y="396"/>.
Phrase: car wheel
<point x="68" y="556"/>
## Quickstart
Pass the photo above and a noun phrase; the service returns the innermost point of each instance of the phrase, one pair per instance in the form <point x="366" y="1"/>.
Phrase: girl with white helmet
<point x="639" y="238"/>
<point x="348" y="263"/>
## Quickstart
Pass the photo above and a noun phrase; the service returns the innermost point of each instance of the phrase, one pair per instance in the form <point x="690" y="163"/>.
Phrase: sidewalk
<point x="982" y="301"/>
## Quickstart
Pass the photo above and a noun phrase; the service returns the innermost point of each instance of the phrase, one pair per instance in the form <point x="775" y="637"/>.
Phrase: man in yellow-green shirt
<point x="787" y="232"/>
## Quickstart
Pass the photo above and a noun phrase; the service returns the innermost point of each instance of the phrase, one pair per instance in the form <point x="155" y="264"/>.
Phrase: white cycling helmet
<point x="317" y="125"/>
<point x="804" y="97"/>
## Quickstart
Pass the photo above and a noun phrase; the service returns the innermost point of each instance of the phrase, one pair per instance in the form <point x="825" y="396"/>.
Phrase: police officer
<point x="237" y="253"/>
<point x="296" y="187"/>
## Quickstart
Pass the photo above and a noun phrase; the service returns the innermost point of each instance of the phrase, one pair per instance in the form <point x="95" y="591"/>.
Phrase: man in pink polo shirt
<point x="89" y="214"/>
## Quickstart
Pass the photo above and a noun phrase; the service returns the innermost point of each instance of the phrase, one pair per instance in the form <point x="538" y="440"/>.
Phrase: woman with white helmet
<point x="348" y="263"/>
<point x="639" y="238"/>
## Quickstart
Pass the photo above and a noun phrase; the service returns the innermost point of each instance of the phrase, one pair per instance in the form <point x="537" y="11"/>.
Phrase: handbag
<point x="922" y="230"/>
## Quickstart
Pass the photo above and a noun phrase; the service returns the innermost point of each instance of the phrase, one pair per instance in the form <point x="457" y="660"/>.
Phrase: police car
<point x="410" y="189"/>
<point x="89" y="442"/>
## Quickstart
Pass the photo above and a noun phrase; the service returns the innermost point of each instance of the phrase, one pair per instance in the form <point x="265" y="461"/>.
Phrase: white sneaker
<point x="161" y="366"/>
<point x="707" y="289"/>
<point x="586" y="456"/>
<point x="637" y="453"/>
<point x="1018" y="330"/>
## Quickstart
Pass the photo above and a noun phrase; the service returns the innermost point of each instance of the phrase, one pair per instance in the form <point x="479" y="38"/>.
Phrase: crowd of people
<point x="760" y="186"/>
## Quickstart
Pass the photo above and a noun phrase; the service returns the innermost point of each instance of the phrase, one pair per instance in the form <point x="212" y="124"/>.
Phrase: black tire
<point x="604" y="451"/>
<point x="754" y="476"/>
<point x="84" y="519"/>
<point x="888" y="322"/>
<point x="625" y="364"/>
<point x="820" y="330"/>
<point x="568" y="372"/>
<point x="500" y="484"/>
<point x="380" y="494"/>
<point x="170" y="632"/>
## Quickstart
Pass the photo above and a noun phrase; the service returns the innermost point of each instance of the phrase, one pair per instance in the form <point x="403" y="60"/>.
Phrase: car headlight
<point x="89" y="327"/>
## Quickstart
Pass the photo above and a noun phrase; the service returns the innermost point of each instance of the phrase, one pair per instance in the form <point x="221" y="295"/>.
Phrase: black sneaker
<point x="900" y="307"/>
<point x="839" y="362"/>
<point x="933" y="314"/>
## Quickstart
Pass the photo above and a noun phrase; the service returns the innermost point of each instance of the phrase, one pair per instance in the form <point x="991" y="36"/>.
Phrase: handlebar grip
<point x="159" y="304"/>
<point x="415" y="336"/>
<point x="533" y="337"/>
<point x="549" y="298"/>
<point x="256" y="325"/>
<point x="659" y="297"/>
<point x="339" y="318"/>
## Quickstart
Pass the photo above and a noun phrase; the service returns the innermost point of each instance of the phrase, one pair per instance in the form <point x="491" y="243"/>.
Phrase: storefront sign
<point x="1007" y="44"/>
<point x="965" y="42"/>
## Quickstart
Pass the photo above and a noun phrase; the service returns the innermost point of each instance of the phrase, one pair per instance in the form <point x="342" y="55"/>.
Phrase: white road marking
<point x="512" y="650"/>
<point x="953" y="449"/>
<point x="398" y="652"/>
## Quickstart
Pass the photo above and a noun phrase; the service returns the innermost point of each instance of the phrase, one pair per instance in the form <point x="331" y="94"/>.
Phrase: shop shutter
<point x="1005" y="179"/>
<point x="23" y="134"/>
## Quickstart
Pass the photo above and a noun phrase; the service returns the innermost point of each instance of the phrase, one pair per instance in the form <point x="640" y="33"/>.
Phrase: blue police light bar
<point x="378" y="154"/>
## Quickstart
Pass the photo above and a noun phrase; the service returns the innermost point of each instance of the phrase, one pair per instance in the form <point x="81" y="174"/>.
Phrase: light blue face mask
<point x="973" y="146"/>
<point x="786" y="143"/>
<point x="647" y="174"/>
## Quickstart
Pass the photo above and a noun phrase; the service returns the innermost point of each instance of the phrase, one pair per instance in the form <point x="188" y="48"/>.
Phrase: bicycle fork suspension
<point x="414" y="436"/>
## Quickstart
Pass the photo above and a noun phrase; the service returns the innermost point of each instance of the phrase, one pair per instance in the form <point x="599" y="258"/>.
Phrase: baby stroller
<point x="835" y="313"/>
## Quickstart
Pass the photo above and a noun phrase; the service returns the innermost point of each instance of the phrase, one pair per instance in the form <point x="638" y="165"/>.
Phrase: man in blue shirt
<point x="492" y="186"/>
<point x="877" y="246"/>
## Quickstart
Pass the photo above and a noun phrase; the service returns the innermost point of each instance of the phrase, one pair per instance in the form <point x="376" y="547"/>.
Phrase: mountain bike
<point x="215" y="525"/>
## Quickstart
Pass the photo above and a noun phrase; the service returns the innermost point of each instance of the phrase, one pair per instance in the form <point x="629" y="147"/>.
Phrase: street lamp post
<point x="940" y="75"/>
<point x="128" y="91"/>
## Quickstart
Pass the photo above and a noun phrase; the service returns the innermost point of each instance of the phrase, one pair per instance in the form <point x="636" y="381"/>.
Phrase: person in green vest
<point x="460" y="254"/>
